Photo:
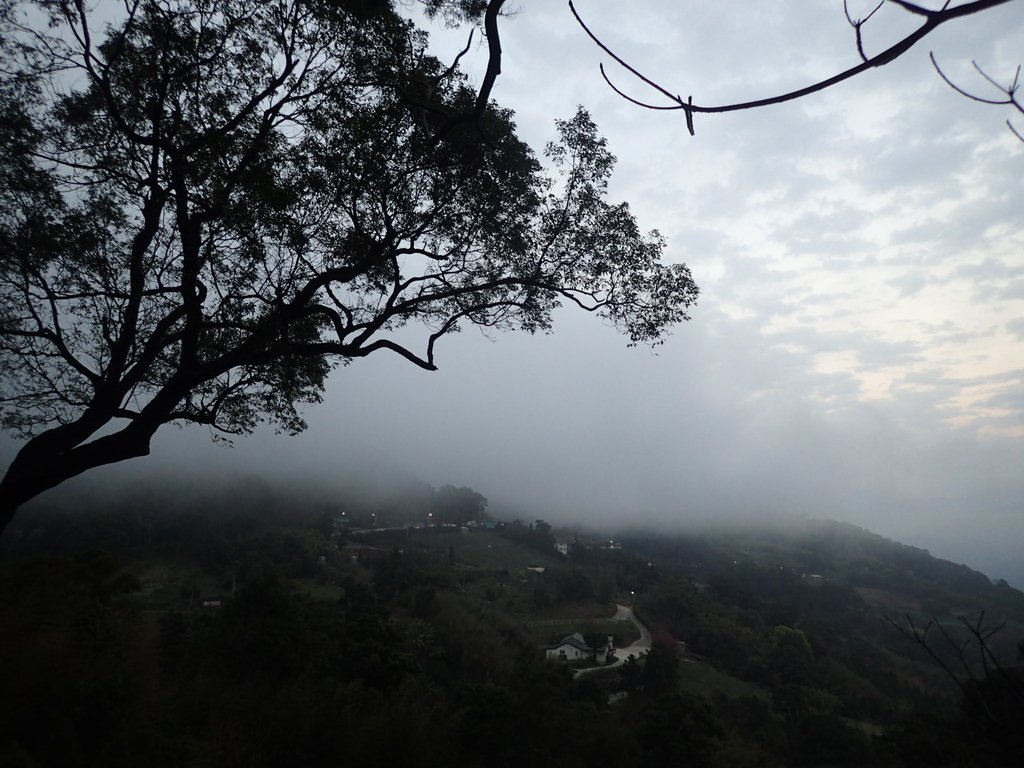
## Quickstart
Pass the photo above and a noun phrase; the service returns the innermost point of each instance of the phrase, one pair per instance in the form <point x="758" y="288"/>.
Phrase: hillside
<point x="281" y="634"/>
<point x="826" y="568"/>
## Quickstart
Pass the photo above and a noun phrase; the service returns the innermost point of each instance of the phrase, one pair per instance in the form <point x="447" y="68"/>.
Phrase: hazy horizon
<point x="191" y="486"/>
<point x="857" y="352"/>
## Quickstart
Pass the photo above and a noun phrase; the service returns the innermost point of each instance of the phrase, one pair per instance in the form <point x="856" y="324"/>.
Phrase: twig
<point x="932" y="20"/>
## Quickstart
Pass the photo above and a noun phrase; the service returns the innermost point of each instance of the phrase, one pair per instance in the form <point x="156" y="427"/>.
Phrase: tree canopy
<point x="206" y="205"/>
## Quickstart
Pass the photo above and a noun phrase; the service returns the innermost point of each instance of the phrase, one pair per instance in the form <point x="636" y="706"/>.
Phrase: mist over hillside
<point x="390" y="491"/>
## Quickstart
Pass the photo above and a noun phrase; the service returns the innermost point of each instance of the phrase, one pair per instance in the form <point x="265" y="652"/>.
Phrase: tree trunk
<point x="7" y="509"/>
<point x="39" y="466"/>
<point x="21" y="483"/>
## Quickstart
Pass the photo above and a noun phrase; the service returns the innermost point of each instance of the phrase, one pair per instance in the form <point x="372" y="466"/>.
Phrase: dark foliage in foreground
<point x="252" y="640"/>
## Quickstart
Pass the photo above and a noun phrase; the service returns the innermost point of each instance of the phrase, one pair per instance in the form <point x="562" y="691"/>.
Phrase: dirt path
<point x="637" y="649"/>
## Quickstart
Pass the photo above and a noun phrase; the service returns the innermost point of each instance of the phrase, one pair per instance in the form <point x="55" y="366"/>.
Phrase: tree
<point x="931" y="19"/>
<point x="458" y="505"/>
<point x="661" y="665"/>
<point x="789" y="653"/>
<point x="992" y="693"/>
<point x="208" y="204"/>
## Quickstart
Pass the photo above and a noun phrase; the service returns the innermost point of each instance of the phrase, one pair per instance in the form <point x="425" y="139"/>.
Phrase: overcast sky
<point x="857" y="352"/>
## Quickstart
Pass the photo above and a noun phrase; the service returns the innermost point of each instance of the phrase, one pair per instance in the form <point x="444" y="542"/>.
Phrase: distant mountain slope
<point x="844" y="580"/>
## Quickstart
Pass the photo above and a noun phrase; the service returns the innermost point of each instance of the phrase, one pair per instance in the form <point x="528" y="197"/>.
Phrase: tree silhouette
<point x="992" y="693"/>
<point x="205" y="206"/>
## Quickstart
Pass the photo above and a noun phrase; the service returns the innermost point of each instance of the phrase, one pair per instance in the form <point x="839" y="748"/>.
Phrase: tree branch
<point x="490" y="75"/>
<point x="932" y="20"/>
<point x="1010" y="91"/>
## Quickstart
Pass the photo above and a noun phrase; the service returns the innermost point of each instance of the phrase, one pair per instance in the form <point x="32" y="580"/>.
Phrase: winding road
<point x="637" y="649"/>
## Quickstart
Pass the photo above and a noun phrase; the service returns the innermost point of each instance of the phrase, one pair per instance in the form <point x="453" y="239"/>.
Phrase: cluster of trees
<point x="411" y="502"/>
<point x="392" y="664"/>
<point x="400" y="656"/>
<point x="271" y="679"/>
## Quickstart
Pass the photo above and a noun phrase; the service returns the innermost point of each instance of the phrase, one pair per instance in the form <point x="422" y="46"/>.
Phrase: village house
<point x="574" y="648"/>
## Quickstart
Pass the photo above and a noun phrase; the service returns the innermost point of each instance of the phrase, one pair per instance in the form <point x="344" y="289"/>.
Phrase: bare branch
<point x="921" y="639"/>
<point x="915" y="9"/>
<point x="963" y="92"/>
<point x="455" y="62"/>
<point x="1010" y="90"/>
<point x="639" y="103"/>
<point x="625" y="65"/>
<point x="857" y="24"/>
<point x="932" y="20"/>
<point x="978" y="634"/>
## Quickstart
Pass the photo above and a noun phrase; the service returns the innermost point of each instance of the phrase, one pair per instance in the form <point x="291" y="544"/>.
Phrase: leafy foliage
<point x="205" y="206"/>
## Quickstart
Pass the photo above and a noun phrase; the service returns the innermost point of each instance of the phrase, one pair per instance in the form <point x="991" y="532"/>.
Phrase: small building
<point x="574" y="648"/>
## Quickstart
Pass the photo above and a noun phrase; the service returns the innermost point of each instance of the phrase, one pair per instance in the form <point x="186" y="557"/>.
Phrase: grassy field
<point x="170" y="583"/>
<point x="704" y="680"/>
<point x="314" y="590"/>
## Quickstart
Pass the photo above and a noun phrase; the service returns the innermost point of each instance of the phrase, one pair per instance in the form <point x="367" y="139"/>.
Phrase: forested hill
<point x="408" y="630"/>
<point x="900" y="577"/>
<point x="837" y="581"/>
